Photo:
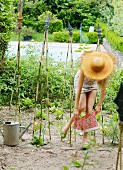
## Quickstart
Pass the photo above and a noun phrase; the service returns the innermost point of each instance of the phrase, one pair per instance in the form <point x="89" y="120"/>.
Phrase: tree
<point x="106" y="11"/>
<point x="7" y="24"/>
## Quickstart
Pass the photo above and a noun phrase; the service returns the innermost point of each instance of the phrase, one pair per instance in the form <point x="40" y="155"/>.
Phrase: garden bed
<point x="57" y="154"/>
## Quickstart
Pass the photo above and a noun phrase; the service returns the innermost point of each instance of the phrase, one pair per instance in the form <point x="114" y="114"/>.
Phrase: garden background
<point x="55" y="78"/>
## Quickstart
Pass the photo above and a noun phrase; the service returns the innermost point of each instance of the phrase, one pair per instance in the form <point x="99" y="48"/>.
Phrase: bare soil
<point x="56" y="154"/>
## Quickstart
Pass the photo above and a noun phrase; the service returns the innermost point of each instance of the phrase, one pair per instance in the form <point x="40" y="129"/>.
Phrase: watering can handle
<point x="21" y="134"/>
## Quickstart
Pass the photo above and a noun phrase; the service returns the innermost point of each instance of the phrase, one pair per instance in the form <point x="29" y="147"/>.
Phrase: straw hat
<point x="97" y="65"/>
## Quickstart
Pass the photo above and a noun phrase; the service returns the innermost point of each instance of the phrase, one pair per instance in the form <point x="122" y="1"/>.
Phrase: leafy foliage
<point x="7" y="24"/>
<point x="112" y="37"/>
<point x="106" y="10"/>
<point x="92" y="36"/>
<point x="111" y="91"/>
<point x="75" y="12"/>
<point x="27" y="103"/>
<point x="41" y="114"/>
<point x="38" y="141"/>
<point x="29" y="72"/>
<point x="64" y="36"/>
<point x="118" y="17"/>
<point x="27" y="31"/>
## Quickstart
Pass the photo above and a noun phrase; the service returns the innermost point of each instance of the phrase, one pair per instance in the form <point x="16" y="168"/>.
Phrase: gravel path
<point x="58" y="51"/>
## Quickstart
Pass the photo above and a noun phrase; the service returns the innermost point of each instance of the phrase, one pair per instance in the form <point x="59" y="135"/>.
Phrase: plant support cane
<point x="71" y="66"/>
<point x="39" y="77"/>
<point x="119" y="101"/>
<point x="63" y="135"/>
<point x="47" y="83"/>
<point x="64" y="83"/>
<point x="119" y="155"/>
<point x="20" y="18"/>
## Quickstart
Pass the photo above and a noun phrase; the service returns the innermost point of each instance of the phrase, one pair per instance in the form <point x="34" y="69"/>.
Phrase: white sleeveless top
<point x="88" y="85"/>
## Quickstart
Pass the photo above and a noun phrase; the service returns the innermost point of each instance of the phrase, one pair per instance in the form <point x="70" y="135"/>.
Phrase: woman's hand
<point x="98" y="107"/>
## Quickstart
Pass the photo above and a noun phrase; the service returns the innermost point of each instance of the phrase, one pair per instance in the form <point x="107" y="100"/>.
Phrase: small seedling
<point x="38" y="141"/>
<point x="41" y="115"/>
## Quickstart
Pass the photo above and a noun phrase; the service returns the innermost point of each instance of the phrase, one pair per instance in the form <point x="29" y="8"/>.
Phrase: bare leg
<point x="82" y="105"/>
<point x="89" y="106"/>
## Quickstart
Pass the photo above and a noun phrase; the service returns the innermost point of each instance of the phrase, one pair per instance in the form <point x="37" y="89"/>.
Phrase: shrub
<point x="39" y="26"/>
<point x="76" y="37"/>
<point x="27" y="31"/>
<point x="60" y="36"/>
<point x="92" y="36"/>
<point x="64" y="36"/>
<point x="54" y="26"/>
<point x="54" y="23"/>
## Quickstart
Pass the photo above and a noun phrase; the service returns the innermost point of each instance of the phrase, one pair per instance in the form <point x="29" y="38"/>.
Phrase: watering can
<point x="12" y="134"/>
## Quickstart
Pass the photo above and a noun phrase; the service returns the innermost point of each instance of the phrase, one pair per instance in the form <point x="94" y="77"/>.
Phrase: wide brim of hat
<point x="93" y="75"/>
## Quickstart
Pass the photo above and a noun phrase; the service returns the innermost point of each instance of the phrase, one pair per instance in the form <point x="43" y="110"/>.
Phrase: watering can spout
<point x="22" y="133"/>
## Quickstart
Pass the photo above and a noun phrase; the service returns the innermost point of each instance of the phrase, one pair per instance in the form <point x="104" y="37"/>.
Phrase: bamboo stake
<point x="37" y="87"/>
<point x="98" y="45"/>
<point x="119" y="155"/>
<point x="99" y="49"/>
<point x="65" y="73"/>
<point x="47" y="83"/>
<point x="18" y="61"/>
<point x="71" y="66"/>
<point x="40" y="132"/>
<point x="20" y="5"/>
<point x="102" y="126"/>
<point x="98" y="35"/>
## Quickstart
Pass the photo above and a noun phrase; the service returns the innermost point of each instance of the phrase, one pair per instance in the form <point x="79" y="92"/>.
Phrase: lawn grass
<point x="39" y="37"/>
<point x="35" y="36"/>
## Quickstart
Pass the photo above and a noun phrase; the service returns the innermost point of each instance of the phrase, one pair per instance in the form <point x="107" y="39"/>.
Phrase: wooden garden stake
<point x="64" y="84"/>
<point x="65" y="73"/>
<point x="119" y="101"/>
<point x="20" y="18"/>
<point x="47" y="83"/>
<point x="71" y="66"/>
<point x="19" y="25"/>
<point x="119" y="155"/>
<point x="40" y="132"/>
<point x="39" y="77"/>
<point x="98" y="49"/>
<point x="99" y="35"/>
<point x="102" y="127"/>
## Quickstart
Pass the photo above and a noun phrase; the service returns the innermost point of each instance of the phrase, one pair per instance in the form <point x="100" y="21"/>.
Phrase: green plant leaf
<point x="76" y="163"/>
<point x="65" y="168"/>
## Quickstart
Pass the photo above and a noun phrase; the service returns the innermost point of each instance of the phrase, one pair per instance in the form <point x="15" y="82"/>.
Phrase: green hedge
<point x="92" y="36"/>
<point x="115" y="40"/>
<point x="54" y="26"/>
<point x="64" y="37"/>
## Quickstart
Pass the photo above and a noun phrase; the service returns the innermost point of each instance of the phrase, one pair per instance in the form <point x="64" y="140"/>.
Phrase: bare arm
<point x="102" y="95"/>
<point x="80" y="84"/>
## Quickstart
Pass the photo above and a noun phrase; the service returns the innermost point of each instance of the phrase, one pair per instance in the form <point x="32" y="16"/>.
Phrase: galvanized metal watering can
<point x="12" y="134"/>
